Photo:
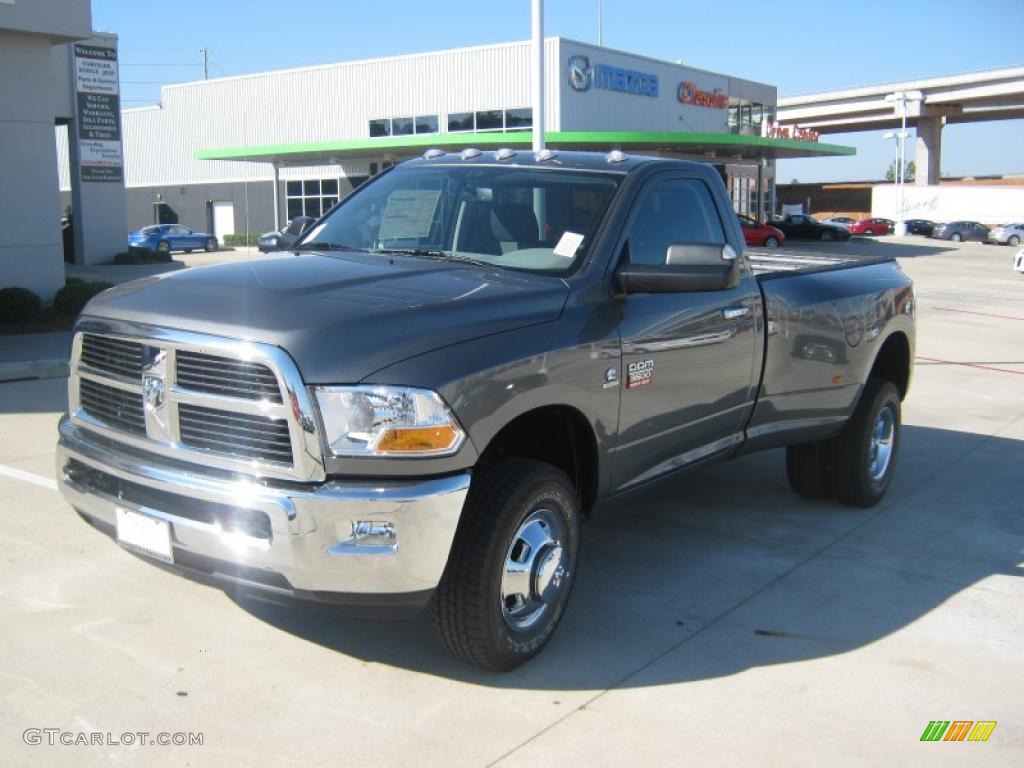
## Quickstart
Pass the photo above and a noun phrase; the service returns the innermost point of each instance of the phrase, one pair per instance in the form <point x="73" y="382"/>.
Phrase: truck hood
<point x="341" y="316"/>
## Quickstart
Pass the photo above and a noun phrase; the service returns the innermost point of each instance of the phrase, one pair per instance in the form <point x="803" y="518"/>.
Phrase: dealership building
<point x="245" y="154"/>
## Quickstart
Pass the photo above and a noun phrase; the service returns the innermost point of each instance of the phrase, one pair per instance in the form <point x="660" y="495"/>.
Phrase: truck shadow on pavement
<point x="726" y="570"/>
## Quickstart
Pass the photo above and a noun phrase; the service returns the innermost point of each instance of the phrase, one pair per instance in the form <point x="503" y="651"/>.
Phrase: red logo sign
<point x="689" y="93"/>
<point x="776" y="131"/>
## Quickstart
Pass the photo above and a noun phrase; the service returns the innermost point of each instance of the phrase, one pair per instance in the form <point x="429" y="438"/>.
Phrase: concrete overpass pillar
<point x="928" y="152"/>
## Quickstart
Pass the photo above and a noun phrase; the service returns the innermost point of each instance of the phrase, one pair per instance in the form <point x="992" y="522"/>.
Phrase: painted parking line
<point x="979" y="314"/>
<point x="937" y="361"/>
<point x="29" y="477"/>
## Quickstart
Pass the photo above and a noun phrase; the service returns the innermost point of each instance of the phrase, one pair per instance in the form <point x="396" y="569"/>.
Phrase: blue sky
<point x="801" y="47"/>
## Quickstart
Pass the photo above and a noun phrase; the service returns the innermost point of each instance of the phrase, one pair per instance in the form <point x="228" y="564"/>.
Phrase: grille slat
<point x="123" y="358"/>
<point x="242" y="435"/>
<point x="243" y="432"/>
<point x="120" y="409"/>
<point x="223" y="376"/>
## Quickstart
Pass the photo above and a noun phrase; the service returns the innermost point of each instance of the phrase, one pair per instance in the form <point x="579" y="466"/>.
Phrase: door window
<point x="673" y="211"/>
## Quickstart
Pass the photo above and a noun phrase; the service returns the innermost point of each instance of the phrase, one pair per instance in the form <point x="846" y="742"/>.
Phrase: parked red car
<point x="871" y="227"/>
<point x="761" y="235"/>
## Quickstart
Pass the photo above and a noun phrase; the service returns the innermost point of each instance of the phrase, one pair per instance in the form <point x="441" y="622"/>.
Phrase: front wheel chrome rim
<point x="535" y="573"/>
<point x="882" y="443"/>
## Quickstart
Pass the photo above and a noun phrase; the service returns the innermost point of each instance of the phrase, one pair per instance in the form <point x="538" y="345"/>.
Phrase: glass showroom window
<point x="518" y="119"/>
<point x="403" y="126"/>
<point x="491" y="120"/>
<point x="311" y="197"/>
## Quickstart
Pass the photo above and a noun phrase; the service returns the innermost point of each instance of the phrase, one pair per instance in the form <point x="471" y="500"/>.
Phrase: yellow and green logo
<point x="958" y="730"/>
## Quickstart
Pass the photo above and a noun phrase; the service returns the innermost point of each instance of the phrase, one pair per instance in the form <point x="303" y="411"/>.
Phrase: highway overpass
<point x="996" y="94"/>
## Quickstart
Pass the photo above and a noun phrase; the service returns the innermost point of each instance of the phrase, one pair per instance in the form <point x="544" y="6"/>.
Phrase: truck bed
<point x="768" y="264"/>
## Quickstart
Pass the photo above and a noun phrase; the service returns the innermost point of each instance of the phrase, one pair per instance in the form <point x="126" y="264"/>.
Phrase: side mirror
<point x="688" y="267"/>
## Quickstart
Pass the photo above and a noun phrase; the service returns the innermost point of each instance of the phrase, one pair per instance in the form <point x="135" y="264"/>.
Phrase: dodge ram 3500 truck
<point x="418" y="404"/>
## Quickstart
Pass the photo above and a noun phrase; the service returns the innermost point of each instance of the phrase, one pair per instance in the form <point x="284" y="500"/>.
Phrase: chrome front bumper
<point x="373" y="541"/>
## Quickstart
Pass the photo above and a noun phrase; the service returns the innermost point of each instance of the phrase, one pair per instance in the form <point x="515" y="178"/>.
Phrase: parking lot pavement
<point x="717" y="620"/>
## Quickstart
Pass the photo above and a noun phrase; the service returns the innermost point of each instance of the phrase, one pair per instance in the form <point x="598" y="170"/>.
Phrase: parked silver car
<point x="961" y="230"/>
<point x="1007" y="234"/>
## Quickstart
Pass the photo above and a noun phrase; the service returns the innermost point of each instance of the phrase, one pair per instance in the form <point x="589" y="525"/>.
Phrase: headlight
<point x="387" y="421"/>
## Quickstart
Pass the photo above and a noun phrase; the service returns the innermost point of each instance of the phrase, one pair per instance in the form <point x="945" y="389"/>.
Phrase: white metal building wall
<point x="315" y="104"/>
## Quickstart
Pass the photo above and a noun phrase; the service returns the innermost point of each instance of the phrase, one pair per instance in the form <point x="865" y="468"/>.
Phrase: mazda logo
<point x="581" y="74"/>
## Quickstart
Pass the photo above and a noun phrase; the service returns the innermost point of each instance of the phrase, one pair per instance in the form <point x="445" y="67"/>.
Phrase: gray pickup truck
<point x="420" y="403"/>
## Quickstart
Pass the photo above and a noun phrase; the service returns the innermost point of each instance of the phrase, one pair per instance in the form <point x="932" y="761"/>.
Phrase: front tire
<point x="956" y="237"/>
<point x="1014" y="241"/>
<point x="864" y="453"/>
<point x="512" y="565"/>
<point x="771" y="242"/>
<point x="826" y="235"/>
<point x="163" y="248"/>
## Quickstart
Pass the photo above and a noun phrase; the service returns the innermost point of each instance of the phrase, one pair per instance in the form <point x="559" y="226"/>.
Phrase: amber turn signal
<point x="417" y="440"/>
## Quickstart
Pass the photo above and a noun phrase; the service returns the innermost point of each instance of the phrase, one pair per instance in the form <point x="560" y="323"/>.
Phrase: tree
<point x="908" y="171"/>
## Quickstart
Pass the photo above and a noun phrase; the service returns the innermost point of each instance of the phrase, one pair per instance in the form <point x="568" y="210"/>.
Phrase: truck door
<point x="689" y="360"/>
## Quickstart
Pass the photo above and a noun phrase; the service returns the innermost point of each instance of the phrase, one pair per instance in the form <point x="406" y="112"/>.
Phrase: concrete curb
<point x="34" y="369"/>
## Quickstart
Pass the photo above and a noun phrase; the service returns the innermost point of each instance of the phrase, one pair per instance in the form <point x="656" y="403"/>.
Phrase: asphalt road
<point x="718" y="620"/>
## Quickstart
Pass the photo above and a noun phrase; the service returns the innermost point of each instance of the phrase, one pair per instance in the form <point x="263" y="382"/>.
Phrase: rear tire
<point x="210" y="245"/>
<point x="808" y="469"/>
<point x="864" y="453"/>
<point x="512" y="565"/>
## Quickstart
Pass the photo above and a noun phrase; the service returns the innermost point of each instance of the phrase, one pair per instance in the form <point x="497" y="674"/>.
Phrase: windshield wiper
<point x="316" y="246"/>
<point x="434" y="253"/>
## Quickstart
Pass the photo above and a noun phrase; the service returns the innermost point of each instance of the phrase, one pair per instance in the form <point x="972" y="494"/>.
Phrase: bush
<point x="75" y="294"/>
<point x="242" y="239"/>
<point x="19" y="305"/>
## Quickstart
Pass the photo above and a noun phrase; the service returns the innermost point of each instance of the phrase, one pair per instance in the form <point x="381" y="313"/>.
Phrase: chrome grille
<point x="116" y="407"/>
<point x="224" y="376"/>
<point x="236" y="434"/>
<point x="121" y="358"/>
<point x="220" y="403"/>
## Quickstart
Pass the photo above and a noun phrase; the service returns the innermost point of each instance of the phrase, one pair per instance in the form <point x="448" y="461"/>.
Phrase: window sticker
<point x="568" y="245"/>
<point x="408" y="213"/>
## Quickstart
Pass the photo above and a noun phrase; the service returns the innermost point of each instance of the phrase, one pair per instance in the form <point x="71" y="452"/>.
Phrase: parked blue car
<point x="164" y="238"/>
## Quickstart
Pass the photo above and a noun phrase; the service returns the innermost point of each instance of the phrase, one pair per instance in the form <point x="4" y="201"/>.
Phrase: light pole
<point x="537" y="7"/>
<point x="899" y="137"/>
<point x="901" y="149"/>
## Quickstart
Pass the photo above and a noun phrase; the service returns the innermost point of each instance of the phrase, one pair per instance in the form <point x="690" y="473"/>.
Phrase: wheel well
<point x="559" y="435"/>
<point x="893" y="362"/>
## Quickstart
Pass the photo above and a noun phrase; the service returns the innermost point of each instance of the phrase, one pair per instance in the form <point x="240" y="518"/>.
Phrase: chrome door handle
<point x="731" y="313"/>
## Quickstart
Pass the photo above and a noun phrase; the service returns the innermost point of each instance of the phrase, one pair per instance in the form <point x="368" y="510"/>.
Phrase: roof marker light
<point x="430" y="154"/>
<point x="504" y="153"/>
<point x="545" y="154"/>
<point x="616" y="156"/>
<point x="470" y="153"/>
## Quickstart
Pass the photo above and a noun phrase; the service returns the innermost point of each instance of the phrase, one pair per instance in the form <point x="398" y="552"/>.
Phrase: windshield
<point x="521" y="218"/>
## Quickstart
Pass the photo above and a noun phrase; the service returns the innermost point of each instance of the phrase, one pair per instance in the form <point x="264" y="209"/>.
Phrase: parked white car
<point x="1007" y="234"/>
<point x="839" y="221"/>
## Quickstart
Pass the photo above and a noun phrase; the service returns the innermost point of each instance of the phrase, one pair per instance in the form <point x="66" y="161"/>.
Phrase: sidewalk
<point x="123" y="273"/>
<point x="34" y="356"/>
